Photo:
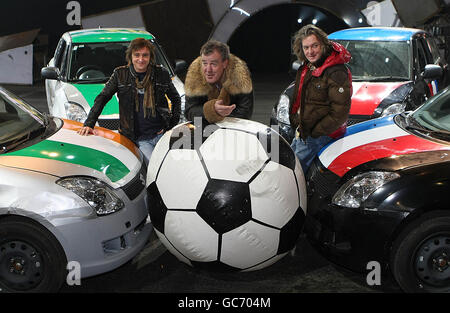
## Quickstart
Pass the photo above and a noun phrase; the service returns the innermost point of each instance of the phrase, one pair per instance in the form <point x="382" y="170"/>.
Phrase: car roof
<point x="376" y="33"/>
<point x="108" y="35"/>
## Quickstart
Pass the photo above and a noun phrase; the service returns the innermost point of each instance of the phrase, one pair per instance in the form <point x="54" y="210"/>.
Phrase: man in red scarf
<point x="322" y="94"/>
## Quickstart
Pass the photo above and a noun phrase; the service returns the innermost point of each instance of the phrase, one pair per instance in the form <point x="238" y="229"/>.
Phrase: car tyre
<point x="31" y="258"/>
<point x="420" y="258"/>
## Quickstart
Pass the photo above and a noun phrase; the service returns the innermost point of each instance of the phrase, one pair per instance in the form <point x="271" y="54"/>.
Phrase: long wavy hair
<point x="139" y="43"/>
<point x="306" y="31"/>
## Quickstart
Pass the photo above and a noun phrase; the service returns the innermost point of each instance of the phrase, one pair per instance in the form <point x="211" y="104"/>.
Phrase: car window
<point x="16" y="118"/>
<point x="421" y="60"/>
<point x="434" y="50"/>
<point x="435" y="113"/>
<point x="426" y="51"/>
<point x="59" y="52"/>
<point x="96" y="61"/>
<point x="378" y="59"/>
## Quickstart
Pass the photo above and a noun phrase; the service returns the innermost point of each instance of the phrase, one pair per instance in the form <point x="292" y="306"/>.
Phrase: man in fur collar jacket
<point x="218" y="84"/>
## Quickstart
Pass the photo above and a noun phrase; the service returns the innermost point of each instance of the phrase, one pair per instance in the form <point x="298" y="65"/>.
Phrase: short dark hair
<point x="139" y="43"/>
<point x="212" y="45"/>
<point x="306" y="31"/>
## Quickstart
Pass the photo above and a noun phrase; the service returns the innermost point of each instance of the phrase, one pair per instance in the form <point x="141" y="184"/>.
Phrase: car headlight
<point x="99" y="195"/>
<point x="75" y="112"/>
<point x="394" y="108"/>
<point x="359" y="188"/>
<point x="283" y="109"/>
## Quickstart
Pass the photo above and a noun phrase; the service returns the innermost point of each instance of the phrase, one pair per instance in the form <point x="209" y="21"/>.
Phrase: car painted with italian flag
<point x="380" y="195"/>
<point x="82" y="64"/>
<point x="66" y="201"/>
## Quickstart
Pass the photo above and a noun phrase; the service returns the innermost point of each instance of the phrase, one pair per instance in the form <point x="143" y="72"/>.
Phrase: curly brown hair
<point x="306" y="31"/>
<point x="139" y="43"/>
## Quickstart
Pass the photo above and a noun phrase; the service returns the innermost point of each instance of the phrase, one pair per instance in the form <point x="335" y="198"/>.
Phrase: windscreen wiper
<point x="8" y="146"/>
<point x="387" y="78"/>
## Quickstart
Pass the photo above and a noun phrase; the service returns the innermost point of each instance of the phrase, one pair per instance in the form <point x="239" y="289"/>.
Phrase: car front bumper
<point x="103" y="243"/>
<point x="349" y="237"/>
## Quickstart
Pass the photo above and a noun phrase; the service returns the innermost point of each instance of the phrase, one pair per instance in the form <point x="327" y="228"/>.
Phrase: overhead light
<point x="360" y="20"/>
<point x="314" y="21"/>
<point x="299" y="21"/>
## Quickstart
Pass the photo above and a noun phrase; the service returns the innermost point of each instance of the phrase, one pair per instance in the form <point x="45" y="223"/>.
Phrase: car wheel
<point x="31" y="259"/>
<point x="420" y="259"/>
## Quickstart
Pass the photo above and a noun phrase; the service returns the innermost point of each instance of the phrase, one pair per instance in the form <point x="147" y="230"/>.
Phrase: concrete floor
<point x="156" y="270"/>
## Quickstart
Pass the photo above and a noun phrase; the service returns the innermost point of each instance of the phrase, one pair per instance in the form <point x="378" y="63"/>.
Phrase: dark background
<point x="263" y="40"/>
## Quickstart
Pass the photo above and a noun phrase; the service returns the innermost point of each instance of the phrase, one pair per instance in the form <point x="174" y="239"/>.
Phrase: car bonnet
<point x="107" y="156"/>
<point x="85" y="95"/>
<point x="373" y="140"/>
<point x="367" y="96"/>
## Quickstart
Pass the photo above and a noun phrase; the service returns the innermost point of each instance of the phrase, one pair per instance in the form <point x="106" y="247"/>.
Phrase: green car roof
<point x="108" y="35"/>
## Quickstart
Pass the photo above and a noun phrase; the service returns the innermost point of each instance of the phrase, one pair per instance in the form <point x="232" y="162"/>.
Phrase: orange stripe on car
<point x="106" y="133"/>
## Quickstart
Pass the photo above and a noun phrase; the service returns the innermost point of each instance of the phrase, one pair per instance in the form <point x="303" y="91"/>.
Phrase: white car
<point x="82" y="64"/>
<point x="65" y="198"/>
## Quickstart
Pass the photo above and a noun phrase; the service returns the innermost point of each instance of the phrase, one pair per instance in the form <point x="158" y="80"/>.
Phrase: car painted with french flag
<point x="67" y="202"/>
<point x="381" y="193"/>
<point x="393" y="69"/>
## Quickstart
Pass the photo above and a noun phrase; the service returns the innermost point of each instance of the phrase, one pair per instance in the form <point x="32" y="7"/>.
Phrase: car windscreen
<point x="96" y="61"/>
<point x="378" y="60"/>
<point x="19" y="121"/>
<point x="434" y="114"/>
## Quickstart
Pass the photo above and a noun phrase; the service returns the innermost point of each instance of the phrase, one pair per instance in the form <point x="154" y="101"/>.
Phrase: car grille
<point x="135" y="186"/>
<point x="355" y="119"/>
<point x="112" y="124"/>
<point x="321" y="180"/>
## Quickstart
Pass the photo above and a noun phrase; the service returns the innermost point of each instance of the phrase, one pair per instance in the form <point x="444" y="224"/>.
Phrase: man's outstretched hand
<point x="223" y="110"/>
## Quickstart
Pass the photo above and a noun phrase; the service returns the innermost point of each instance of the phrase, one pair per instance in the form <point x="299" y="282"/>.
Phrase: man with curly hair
<point x="322" y="93"/>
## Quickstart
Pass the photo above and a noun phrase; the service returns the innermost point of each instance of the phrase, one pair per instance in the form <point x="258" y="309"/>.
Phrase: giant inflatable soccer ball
<point x="226" y="196"/>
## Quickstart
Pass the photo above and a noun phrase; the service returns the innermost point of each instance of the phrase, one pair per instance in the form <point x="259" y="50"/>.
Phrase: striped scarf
<point x="147" y="86"/>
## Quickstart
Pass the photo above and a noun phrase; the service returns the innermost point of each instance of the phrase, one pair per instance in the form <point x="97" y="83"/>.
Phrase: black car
<point x="381" y="193"/>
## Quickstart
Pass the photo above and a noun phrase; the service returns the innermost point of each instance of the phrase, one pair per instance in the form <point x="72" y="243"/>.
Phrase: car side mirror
<point x="180" y="66"/>
<point x="50" y="72"/>
<point x="432" y="72"/>
<point x="294" y="68"/>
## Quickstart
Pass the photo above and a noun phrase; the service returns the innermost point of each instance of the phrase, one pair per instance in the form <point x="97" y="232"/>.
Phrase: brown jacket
<point x="325" y="97"/>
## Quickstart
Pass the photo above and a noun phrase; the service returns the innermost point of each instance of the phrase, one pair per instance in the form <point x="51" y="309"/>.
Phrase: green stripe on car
<point x="69" y="153"/>
<point x="108" y="35"/>
<point x="90" y="91"/>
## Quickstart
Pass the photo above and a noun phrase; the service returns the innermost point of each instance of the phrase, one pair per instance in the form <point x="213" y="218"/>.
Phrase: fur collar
<point x="238" y="79"/>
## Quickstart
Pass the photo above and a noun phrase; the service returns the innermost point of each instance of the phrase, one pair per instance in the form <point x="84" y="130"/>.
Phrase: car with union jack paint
<point x="393" y="70"/>
<point x="381" y="193"/>
<point x="65" y="199"/>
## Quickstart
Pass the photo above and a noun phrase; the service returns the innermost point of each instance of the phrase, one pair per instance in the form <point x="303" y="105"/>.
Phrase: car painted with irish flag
<point x="382" y="194"/>
<point x="82" y="64"/>
<point x="67" y="202"/>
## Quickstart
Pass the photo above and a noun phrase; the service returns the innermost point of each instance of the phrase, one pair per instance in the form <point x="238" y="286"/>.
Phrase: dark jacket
<point x="325" y="96"/>
<point x="237" y="87"/>
<point x="123" y="81"/>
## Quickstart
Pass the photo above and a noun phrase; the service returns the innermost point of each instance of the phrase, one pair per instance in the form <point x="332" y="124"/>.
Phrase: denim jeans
<point x="146" y="144"/>
<point x="307" y="150"/>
